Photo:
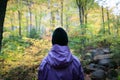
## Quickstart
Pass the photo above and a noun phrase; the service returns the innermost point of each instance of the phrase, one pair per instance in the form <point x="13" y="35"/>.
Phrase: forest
<point x="26" y="27"/>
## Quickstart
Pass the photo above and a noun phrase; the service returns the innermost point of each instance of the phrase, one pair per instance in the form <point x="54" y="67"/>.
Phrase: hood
<point x="59" y="56"/>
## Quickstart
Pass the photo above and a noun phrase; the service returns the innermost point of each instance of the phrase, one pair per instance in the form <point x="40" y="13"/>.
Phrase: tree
<point x="83" y="6"/>
<point x="3" y="4"/>
<point x="108" y="19"/>
<point x="62" y="12"/>
<point x="103" y="21"/>
<point x="11" y="9"/>
<point x="19" y="15"/>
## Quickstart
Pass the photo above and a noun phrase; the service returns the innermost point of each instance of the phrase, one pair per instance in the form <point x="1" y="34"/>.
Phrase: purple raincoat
<point x="60" y="64"/>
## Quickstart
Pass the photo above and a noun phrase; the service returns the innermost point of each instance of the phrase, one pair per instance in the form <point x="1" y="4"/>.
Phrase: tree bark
<point x="103" y="26"/>
<point x="30" y="17"/>
<point x="27" y="19"/>
<point x="19" y="19"/>
<point x="11" y="20"/>
<point x="3" y="4"/>
<point x="27" y="24"/>
<point x="36" y="21"/>
<point x="53" y="19"/>
<point x="40" y="17"/>
<point x="117" y="31"/>
<point x="86" y="19"/>
<point x="67" y="22"/>
<point x="108" y="22"/>
<point x="81" y="16"/>
<point x="62" y="13"/>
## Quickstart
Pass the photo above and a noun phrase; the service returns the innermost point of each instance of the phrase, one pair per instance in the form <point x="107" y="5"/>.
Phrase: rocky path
<point x="100" y="65"/>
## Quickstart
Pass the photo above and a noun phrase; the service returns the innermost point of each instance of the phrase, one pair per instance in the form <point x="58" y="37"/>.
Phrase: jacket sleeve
<point x="81" y="73"/>
<point x="42" y="71"/>
<point x="40" y="75"/>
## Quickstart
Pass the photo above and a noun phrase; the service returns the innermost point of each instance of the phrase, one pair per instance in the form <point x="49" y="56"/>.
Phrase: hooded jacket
<point x="60" y="64"/>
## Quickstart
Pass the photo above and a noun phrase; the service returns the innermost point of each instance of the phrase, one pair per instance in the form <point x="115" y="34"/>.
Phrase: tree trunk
<point x="67" y="22"/>
<point x="117" y="26"/>
<point x="103" y="25"/>
<point x="53" y="19"/>
<point x="19" y="19"/>
<point x="108" y="22"/>
<point x="11" y="20"/>
<point x="27" y="24"/>
<point x="62" y="13"/>
<point x="40" y="21"/>
<point x="27" y="20"/>
<point x="86" y="19"/>
<point x="30" y="17"/>
<point x="81" y="16"/>
<point x="3" y="4"/>
<point x="36" y="21"/>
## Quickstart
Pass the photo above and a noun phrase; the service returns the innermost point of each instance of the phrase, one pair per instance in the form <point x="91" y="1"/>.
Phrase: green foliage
<point x="115" y="48"/>
<point x="100" y="40"/>
<point x="25" y="65"/>
<point x="12" y="46"/>
<point x="119" y="77"/>
<point x="33" y="33"/>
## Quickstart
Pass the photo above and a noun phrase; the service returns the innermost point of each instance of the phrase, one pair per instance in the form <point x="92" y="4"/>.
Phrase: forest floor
<point x="26" y="66"/>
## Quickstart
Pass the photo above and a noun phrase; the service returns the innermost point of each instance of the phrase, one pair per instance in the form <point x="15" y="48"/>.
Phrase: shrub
<point x="115" y="48"/>
<point x="33" y="33"/>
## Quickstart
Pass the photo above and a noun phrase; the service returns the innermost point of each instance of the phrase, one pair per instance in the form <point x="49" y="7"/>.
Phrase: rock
<point x="100" y="51"/>
<point x="98" y="75"/>
<point x="102" y="56"/>
<point x="93" y="52"/>
<point x="91" y="67"/>
<point x="94" y="67"/>
<point x="104" y="62"/>
<point x="106" y="50"/>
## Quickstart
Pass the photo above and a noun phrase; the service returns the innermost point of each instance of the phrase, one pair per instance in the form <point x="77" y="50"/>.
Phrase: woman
<point x="60" y="64"/>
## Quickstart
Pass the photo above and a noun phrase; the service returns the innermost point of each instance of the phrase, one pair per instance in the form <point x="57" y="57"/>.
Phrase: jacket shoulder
<point x="43" y="64"/>
<point x="76" y="60"/>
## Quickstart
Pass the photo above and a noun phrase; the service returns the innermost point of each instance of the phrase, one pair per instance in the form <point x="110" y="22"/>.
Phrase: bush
<point x="12" y="46"/>
<point x="33" y="33"/>
<point x="115" y="48"/>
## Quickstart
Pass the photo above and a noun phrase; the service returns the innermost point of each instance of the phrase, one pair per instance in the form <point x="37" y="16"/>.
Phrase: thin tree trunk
<point x="19" y="16"/>
<point x="86" y="19"/>
<point x="108" y="22"/>
<point x="62" y="13"/>
<point x="27" y="24"/>
<point x="82" y="10"/>
<point x="86" y="9"/>
<point x="67" y="23"/>
<point x="117" y="26"/>
<point x="53" y="19"/>
<point x="11" y="20"/>
<point x="40" y="22"/>
<point x="19" y="19"/>
<point x="103" y="20"/>
<point x="36" y="21"/>
<point x="114" y="26"/>
<point x="27" y="19"/>
<point x="30" y="17"/>
<point x="3" y="4"/>
<point x="81" y="16"/>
